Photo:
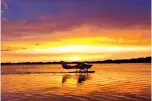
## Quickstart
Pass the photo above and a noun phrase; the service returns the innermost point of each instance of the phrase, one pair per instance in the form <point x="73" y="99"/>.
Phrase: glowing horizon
<point x="74" y="31"/>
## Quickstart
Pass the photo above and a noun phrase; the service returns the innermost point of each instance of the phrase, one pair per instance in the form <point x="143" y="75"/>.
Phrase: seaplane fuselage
<point x="78" y="66"/>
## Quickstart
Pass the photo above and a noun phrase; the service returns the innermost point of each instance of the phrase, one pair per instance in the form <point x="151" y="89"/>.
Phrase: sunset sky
<point x="74" y="30"/>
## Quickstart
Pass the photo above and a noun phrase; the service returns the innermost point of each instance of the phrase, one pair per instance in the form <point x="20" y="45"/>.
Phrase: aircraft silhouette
<point x="81" y="66"/>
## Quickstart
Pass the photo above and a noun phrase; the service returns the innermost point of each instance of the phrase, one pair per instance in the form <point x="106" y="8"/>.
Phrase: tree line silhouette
<point x="132" y="60"/>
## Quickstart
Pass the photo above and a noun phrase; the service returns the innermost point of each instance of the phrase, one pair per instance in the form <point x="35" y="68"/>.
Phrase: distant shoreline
<point x="117" y="61"/>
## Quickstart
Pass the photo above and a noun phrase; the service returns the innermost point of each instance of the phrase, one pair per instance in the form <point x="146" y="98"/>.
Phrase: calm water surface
<point x="110" y="82"/>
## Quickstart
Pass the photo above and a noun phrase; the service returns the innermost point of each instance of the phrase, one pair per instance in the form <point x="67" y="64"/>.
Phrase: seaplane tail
<point x="65" y="66"/>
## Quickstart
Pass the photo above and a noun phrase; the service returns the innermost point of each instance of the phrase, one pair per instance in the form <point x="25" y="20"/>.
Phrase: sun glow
<point x="75" y="58"/>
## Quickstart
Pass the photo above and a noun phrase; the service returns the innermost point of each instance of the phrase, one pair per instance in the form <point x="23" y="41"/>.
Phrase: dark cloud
<point x="37" y="44"/>
<point x="8" y="49"/>
<point x="74" y="12"/>
<point x="28" y="18"/>
<point x="4" y="4"/>
<point x="5" y="50"/>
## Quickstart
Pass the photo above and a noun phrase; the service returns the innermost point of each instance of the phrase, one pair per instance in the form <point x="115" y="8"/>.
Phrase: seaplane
<point x="81" y="66"/>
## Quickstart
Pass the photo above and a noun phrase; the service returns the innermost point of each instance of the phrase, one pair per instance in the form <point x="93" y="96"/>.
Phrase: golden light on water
<point x="72" y="31"/>
<point x="110" y="81"/>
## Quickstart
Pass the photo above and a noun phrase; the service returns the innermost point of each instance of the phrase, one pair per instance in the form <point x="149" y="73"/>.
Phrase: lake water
<point x="110" y="82"/>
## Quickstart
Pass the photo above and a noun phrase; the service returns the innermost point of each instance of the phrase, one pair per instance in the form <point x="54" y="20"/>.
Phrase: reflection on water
<point x="79" y="77"/>
<point x="110" y="82"/>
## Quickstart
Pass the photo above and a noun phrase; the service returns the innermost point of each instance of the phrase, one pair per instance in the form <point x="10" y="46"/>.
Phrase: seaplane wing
<point x="78" y="66"/>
